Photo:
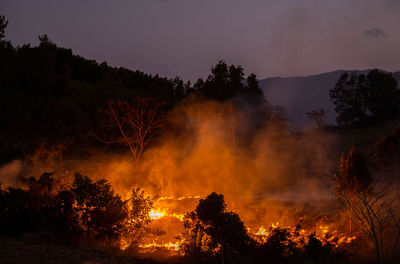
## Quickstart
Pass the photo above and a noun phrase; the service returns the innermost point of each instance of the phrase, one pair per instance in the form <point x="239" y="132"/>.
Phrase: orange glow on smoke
<point x="268" y="176"/>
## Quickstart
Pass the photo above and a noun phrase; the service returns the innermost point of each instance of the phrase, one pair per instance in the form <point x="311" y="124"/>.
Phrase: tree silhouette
<point x="225" y="82"/>
<point x="353" y="177"/>
<point x="136" y="123"/>
<point x="383" y="95"/>
<point x="226" y="234"/>
<point x="359" y="98"/>
<point x="279" y="247"/>
<point x="374" y="205"/>
<point x="348" y="98"/>
<point x="98" y="208"/>
<point x="252" y="86"/>
<point x="135" y="226"/>
<point x="217" y="85"/>
<point x="3" y="25"/>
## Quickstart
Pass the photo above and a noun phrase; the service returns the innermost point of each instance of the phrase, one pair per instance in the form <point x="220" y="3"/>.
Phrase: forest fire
<point x="158" y="213"/>
<point x="300" y="236"/>
<point x="178" y="174"/>
<point x="297" y="235"/>
<point x="186" y="189"/>
<point x="225" y="169"/>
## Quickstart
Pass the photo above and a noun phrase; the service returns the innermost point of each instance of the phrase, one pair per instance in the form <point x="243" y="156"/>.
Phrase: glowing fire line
<point x="261" y="234"/>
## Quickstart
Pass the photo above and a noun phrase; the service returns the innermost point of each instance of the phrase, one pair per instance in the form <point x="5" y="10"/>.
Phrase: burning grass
<point x="296" y="234"/>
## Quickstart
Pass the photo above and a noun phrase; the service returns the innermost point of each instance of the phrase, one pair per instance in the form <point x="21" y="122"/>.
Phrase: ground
<point x="29" y="248"/>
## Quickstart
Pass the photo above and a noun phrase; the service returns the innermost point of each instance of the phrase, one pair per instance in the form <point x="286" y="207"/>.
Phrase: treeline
<point x="50" y="95"/>
<point x="365" y="99"/>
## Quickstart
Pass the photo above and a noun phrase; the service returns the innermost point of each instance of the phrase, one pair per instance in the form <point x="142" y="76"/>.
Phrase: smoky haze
<point x="266" y="174"/>
<point x="176" y="37"/>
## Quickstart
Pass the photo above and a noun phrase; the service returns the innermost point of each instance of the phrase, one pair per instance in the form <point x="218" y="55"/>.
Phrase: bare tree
<point x="136" y="123"/>
<point x="373" y="205"/>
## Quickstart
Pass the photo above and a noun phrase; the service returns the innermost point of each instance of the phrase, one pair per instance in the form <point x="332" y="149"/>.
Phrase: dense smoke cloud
<point x="266" y="173"/>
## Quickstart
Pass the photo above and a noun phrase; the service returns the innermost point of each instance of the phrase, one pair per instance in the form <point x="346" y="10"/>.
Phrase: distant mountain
<point x="298" y="95"/>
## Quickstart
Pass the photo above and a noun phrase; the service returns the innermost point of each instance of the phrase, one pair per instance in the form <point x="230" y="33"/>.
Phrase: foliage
<point x="354" y="175"/>
<point x="279" y="247"/>
<point x="225" y="82"/>
<point x="14" y="212"/>
<point x="195" y="239"/>
<point x="359" y="99"/>
<point x="89" y="208"/>
<point x="222" y="231"/>
<point x="135" y="225"/>
<point x="38" y="208"/>
<point x="99" y="209"/>
<point x="285" y="245"/>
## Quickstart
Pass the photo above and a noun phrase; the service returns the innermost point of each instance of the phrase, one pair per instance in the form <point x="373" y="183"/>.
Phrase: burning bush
<point x="135" y="225"/>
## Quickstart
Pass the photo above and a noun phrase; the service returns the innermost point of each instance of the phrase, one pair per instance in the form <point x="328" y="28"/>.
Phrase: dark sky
<point x="187" y="37"/>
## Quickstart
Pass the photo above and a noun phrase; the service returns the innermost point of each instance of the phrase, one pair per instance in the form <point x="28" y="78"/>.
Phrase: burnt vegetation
<point x="52" y="97"/>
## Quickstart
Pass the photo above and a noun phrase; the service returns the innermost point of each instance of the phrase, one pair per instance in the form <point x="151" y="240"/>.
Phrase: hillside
<point x="299" y="95"/>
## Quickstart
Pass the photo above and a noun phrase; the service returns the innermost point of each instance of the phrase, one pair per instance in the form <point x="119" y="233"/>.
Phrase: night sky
<point x="187" y="37"/>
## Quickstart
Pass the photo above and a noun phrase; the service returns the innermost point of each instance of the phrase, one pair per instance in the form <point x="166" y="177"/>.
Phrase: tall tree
<point x="383" y="95"/>
<point x="252" y="85"/>
<point x="360" y="98"/>
<point x="134" y="124"/>
<point x="348" y="98"/>
<point x="217" y="83"/>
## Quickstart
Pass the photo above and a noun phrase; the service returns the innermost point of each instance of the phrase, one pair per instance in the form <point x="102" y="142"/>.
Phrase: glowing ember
<point x="262" y="232"/>
<point x="168" y="246"/>
<point x="123" y="243"/>
<point x="301" y="236"/>
<point x="163" y="198"/>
